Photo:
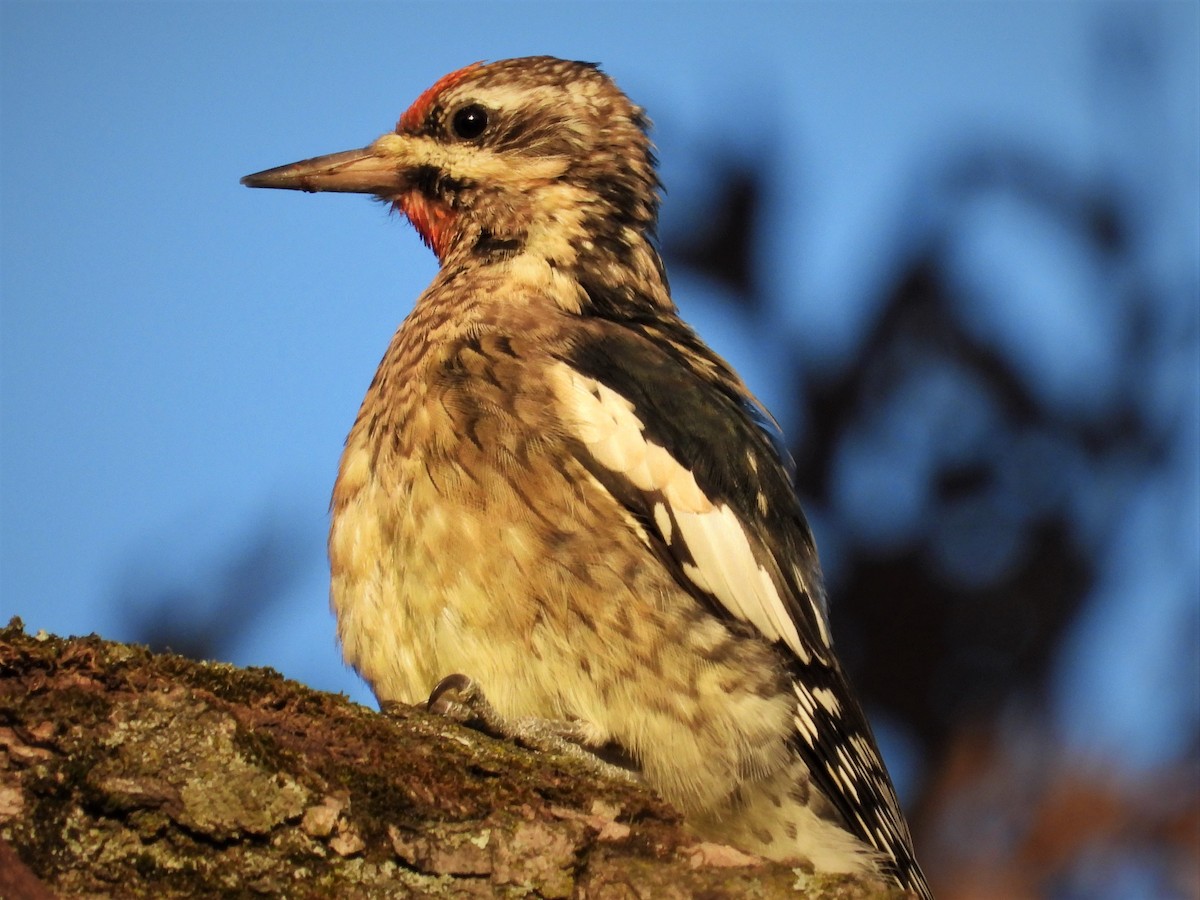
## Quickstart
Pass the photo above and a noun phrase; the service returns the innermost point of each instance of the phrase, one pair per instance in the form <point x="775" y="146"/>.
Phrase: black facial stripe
<point x="434" y="182"/>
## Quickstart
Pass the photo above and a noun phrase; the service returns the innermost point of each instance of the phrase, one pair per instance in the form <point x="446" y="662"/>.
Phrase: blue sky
<point x="180" y="357"/>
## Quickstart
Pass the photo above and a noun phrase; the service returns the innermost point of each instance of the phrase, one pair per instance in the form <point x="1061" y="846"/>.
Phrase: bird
<point x="559" y="505"/>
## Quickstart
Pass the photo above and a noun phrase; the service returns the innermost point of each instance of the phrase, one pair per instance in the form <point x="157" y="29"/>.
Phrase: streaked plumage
<point x="555" y="487"/>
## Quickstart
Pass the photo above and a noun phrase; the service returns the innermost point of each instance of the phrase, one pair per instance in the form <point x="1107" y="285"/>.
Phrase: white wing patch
<point x="725" y="564"/>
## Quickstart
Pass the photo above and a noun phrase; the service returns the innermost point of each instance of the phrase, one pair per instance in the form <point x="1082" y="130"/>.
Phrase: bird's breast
<point x="433" y="518"/>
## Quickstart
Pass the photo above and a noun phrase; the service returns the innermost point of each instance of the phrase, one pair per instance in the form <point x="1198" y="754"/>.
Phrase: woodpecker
<point x="555" y="492"/>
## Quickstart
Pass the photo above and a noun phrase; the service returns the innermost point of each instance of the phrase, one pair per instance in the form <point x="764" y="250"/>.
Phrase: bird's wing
<point x="700" y="461"/>
<point x="677" y="440"/>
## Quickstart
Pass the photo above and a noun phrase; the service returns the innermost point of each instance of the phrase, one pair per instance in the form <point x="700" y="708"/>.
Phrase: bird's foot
<point x="460" y="699"/>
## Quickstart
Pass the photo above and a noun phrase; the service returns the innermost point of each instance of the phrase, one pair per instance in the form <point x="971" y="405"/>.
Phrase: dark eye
<point x="468" y="123"/>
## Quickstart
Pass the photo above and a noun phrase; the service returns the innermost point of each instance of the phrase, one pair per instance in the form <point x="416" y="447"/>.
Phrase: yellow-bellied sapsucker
<point x="555" y="487"/>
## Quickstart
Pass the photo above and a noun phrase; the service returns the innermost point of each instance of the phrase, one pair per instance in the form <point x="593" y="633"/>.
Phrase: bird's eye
<point x="469" y="122"/>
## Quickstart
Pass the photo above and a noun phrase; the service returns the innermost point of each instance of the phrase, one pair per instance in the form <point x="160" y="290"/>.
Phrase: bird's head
<point x="536" y="154"/>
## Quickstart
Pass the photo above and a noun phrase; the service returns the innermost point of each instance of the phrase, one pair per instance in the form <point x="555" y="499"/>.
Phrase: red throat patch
<point x="432" y="220"/>
<point x="416" y="113"/>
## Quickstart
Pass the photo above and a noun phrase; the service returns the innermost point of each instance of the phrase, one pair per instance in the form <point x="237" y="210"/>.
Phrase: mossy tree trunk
<point x="130" y="774"/>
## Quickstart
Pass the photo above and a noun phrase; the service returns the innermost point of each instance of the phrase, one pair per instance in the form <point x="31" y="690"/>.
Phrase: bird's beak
<point x="364" y="171"/>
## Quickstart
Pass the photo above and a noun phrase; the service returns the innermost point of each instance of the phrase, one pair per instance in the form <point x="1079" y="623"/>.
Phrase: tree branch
<point x="131" y="774"/>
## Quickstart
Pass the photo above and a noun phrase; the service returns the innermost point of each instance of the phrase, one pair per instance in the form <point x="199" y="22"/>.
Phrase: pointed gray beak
<point x="352" y="171"/>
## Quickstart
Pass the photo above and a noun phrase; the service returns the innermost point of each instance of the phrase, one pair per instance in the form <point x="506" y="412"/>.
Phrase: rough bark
<point x="130" y="774"/>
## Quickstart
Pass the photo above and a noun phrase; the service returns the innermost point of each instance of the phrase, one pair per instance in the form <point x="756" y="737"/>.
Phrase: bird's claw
<point x="459" y="698"/>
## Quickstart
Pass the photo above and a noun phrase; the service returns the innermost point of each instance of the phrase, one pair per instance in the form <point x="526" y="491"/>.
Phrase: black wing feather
<point x="692" y="404"/>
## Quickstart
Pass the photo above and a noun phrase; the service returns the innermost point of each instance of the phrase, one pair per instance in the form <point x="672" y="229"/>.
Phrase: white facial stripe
<point x="493" y="96"/>
<point x="465" y="161"/>
<point x="725" y="564"/>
